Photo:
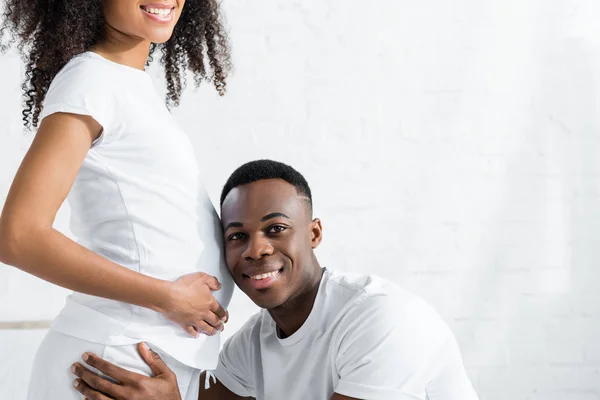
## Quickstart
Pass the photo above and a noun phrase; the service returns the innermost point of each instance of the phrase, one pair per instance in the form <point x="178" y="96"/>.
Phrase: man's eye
<point x="277" y="229"/>
<point x="236" y="236"/>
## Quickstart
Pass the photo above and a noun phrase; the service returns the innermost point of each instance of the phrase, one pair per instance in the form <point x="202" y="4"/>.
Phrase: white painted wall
<point x="451" y="146"/>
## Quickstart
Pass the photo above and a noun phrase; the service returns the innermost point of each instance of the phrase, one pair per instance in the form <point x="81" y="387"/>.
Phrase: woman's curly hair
<point x="48" y="33"/>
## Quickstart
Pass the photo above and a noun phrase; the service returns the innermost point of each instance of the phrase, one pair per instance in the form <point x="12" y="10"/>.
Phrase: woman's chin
<point x="159" y="36"/>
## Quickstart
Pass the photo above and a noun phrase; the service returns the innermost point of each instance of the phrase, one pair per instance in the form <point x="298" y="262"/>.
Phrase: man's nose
<point x="258" y="246"/>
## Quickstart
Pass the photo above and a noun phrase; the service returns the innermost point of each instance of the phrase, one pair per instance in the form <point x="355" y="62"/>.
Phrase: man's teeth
<point x="158" y="11"/>
<point x="264" y="276"/>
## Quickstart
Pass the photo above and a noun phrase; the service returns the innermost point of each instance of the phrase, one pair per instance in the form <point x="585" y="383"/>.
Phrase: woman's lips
<point x="159" y="13"/>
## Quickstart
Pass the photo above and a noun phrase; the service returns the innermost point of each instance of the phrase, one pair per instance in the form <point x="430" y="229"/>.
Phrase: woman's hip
<point x="51" y="376"/>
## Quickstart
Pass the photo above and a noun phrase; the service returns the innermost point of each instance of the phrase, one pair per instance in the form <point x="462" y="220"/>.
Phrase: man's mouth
<point x="263" y="280"/>
<point x="265" y="275"/>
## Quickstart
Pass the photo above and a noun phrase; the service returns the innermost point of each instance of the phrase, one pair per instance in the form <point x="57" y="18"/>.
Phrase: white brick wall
<point x="451" y="147"/>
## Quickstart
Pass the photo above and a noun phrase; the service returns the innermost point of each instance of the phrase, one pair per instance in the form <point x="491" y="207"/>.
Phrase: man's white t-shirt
<point x="138" y="200"/>
<point x="365" y="338"/>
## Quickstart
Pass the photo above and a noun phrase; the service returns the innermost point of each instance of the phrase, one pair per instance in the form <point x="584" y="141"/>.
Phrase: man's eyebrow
<point x="233" y="225"/>
<point x="273" y="215"/>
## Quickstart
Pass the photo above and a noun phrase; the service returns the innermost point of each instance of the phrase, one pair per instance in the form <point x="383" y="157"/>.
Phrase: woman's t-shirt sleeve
<point x="81" y="89"/>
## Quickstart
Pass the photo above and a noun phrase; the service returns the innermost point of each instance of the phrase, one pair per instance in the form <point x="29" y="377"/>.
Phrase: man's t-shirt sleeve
<point x="236" y="362"/>
<point x="393" y="349"/>
<point x="451" y="382"/>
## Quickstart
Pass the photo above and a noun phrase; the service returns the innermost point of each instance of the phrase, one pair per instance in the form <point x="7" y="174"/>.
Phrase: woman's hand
<point x="192" y="306"/>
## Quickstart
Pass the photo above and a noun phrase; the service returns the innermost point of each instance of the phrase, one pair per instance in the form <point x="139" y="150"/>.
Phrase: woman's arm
<point x="29" y="242"/>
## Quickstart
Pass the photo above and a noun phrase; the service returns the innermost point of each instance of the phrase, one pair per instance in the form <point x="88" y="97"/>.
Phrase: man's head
<point x="269" y="232"/>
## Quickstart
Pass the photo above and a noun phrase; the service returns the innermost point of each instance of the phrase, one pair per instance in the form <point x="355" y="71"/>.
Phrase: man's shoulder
<point x="355" y="284"/>
<point x="358" y="290"/>
<point x="248" y="332"/>
<point x="377" y="300"/>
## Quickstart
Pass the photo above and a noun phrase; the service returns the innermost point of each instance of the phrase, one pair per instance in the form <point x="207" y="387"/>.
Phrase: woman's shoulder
<point x="89" y="69"/>
<point x="82" y="73"/>
<point x="85" y="86"/>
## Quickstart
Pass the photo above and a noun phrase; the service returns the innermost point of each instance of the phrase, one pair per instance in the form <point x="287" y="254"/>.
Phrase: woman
<point x="148" y="264"/>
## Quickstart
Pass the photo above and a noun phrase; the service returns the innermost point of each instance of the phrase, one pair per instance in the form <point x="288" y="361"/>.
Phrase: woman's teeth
<point x="163" y="12"/>
<point x="264" y="276"/>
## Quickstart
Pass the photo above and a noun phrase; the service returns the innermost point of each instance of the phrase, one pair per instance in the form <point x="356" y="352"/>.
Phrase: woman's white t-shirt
<point x="138" y="201"/>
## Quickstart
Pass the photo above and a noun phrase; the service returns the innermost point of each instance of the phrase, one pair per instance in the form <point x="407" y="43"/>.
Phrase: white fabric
<point x="139" y="202"/>
<point x="50" y="382"/>
<point x="365" y="338"/>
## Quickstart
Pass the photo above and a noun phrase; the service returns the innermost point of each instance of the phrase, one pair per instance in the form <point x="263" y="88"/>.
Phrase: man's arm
<point x="217" y="391"/>
<point x="394" y="347"/>
<point x="132" y="386"/>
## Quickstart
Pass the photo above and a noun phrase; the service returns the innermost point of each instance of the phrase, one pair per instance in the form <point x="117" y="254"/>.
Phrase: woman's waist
<point x="114" y="323"/>
<point x="168" y="261"/>
<point x="167" y="267"/>
<point x="137" y="242"/>
<point x="111" y="317"/>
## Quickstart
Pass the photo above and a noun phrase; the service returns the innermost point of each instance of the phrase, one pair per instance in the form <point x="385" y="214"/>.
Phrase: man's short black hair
<point x="266" y="169"/>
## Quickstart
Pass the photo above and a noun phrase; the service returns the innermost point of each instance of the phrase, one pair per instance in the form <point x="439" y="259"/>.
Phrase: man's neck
<point x="291" y="315"/>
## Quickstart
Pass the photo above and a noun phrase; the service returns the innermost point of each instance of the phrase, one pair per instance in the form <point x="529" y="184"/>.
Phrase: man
<point x="321" y="334"/>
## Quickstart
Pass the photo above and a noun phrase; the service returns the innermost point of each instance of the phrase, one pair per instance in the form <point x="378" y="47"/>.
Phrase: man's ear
<point x="316" y="233"/>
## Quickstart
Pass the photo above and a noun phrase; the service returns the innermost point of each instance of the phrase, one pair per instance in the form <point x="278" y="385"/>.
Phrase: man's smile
<point x="263" y="280"/>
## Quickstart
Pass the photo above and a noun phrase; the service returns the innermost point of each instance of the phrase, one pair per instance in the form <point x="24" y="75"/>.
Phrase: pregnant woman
<point x="148" y="264"/>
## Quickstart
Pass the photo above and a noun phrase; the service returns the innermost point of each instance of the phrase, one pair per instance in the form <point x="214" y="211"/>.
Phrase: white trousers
<point x="52" y="379"/>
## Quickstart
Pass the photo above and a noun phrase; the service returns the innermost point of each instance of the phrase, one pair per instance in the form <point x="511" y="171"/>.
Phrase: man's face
<point x="269" y="240"/>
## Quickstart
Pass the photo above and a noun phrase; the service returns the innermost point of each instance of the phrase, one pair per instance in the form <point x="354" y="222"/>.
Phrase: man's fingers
<point x="95" y="382"/>
<point x="157" y="365"/>
<point x="87" y="391"/>
<point x="118" y="373"/>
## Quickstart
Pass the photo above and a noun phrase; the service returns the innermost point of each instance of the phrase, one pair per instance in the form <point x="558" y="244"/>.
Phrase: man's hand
<point x="131" y="386"/>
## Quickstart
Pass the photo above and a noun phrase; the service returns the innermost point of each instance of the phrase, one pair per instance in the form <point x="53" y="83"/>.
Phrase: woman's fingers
<point x="192" y="331"/>
<point x="206" y="329"/>
<point x="213" y="320"/>
<point x="218" y="309"/>
<point x="212" y="283"/>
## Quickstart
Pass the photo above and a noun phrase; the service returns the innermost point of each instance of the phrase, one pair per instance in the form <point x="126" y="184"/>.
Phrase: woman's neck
<point x="123" y="49"/>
